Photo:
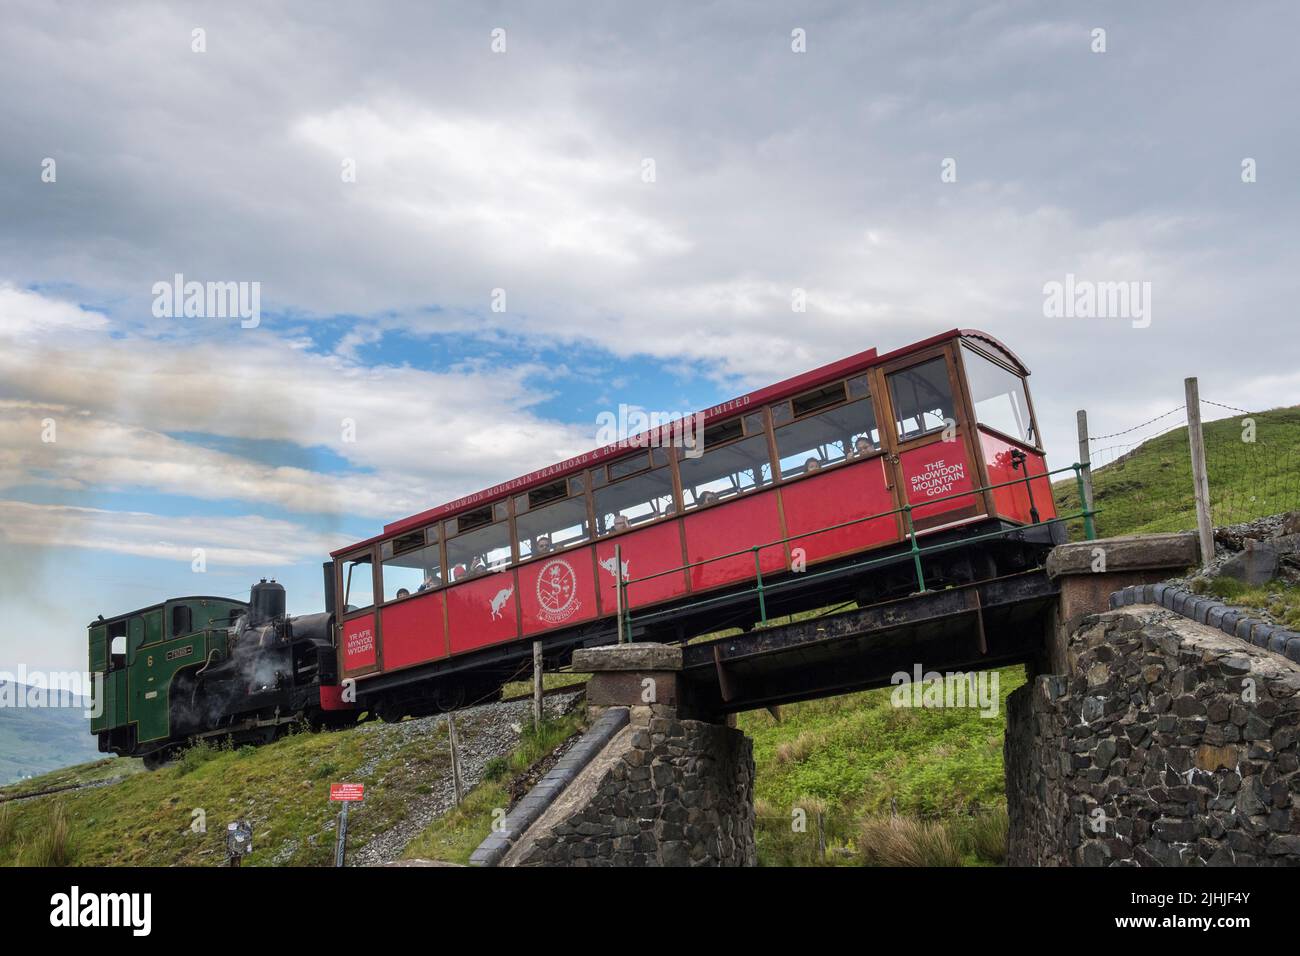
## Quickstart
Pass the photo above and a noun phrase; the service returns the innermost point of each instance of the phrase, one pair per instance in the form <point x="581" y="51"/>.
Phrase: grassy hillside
<point x="857" y="758"/>
<point x="148" y="818"/>
<point x="1150" y="489"/>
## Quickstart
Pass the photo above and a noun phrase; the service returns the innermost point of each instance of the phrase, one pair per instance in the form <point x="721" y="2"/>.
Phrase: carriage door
<point x="929" y="438"/>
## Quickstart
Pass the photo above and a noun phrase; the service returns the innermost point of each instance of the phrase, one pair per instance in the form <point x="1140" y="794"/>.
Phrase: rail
<point x="917" y="551"/>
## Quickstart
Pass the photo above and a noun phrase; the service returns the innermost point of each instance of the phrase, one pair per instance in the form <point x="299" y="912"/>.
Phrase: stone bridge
<point x="1157" y="728"/>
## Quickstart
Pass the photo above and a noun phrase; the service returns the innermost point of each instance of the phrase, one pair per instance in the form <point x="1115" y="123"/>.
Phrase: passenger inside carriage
<point x="862" y="447"/>
<point x="621" y="523"/>
<point x="542" y="545"/>
<point x="812" y="465"/>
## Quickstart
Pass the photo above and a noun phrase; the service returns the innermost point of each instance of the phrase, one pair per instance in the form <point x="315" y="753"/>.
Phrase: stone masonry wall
<point x="1167" y="743"/>
<point x="680" y="794"/>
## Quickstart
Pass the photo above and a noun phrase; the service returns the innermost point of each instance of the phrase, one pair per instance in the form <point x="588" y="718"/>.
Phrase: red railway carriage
<point x="936" y="441"/>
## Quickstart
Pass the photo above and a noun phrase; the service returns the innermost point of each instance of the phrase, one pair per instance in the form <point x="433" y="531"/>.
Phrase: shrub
<point x="51" y="844"/>
<point x="195" y="756"/>
<point x="905" y="841"/>
<point x="983" y="835"/>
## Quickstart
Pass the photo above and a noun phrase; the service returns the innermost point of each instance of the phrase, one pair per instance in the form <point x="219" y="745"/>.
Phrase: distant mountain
<point x="36" y="740"/>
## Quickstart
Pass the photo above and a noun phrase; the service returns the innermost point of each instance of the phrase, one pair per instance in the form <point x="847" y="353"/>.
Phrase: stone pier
<point x="1156" y="740"/>
<point x="647" y="787"/>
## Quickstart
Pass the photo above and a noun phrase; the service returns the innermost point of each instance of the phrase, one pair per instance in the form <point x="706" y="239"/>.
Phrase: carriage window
<point x="471" y="519"/>
<point x="859" y="387"/>
<point x="628" y="466"/>
<point x="358" y="583"/>
<point x="725" y="472"/>
<point x="182" y="620"/>
<point x="998" y="395"/>
<point x="478" y="552"/>
<point x="552" y="528"/>
<point x="411" y="564"/>
<point x="834" y="436"/>
<point x="547" y="493"/>
<point x="922" y="398"/>
<point x="723" y="431"/>
<point x="821" y="398"/>
<point x="634" y="501"/>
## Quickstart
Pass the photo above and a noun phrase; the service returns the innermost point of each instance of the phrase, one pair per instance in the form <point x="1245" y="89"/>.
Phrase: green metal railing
<point x="760" y="589"/>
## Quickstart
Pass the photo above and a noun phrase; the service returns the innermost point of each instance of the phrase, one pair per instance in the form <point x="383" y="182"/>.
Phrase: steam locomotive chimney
<point x="265" y="603"/>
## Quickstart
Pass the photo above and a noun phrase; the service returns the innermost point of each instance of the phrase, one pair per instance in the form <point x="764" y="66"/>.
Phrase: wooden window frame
<point x="674" y="483"/>
<point x="772" y="482"/>
<point x="844" y="383"/>
<point x="1002" y="363"/>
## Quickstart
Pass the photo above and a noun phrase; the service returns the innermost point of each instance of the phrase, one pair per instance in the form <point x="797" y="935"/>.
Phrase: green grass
<point x="456" y="834"/>
<point x="148" y="818"/>
<point x="1275" y="599"/>
<point x="856" y="757"/>
<point x="1151" y="489"/>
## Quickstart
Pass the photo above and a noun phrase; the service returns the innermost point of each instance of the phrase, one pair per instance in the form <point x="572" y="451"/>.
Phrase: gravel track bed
<point x="483" y="732"/>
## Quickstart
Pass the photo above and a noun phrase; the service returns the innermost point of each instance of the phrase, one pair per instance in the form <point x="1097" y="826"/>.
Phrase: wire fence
<point x="1142" y="475"/>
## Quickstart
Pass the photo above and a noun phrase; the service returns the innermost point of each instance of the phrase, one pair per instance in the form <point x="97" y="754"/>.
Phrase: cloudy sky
<point x="380" y="169"/>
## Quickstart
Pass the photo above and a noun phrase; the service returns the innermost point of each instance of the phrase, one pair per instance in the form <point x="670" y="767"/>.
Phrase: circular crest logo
<point x="557" y="591"/>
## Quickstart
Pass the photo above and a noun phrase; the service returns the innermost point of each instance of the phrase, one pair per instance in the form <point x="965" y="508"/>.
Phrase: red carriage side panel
<point x="359" y="644"/>
<point x="645" y="551"/>
<point x="833" y="497"/>
<point x="558" y="591"/>
<point x="728" y="527"/>
<point x="938" y="470"/>
<point x="482" y="611"/>
<point x="414" y="632"/>
<point x="1013" y="500"/>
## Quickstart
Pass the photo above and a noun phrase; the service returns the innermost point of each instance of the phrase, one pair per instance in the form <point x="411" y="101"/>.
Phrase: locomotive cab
<point x="135" y="657"/>
<point x="196" y="667"/>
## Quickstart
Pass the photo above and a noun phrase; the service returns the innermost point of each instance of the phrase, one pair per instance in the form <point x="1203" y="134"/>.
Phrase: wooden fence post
<point x="1200" y="478"/>
<point x="537" y="685"/>
<point x="1085" y="457"/>
<point x="455" y="758"/>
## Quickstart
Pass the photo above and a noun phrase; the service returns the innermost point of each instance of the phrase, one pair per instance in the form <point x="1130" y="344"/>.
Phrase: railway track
<point x="15" y="797"/>
<point x="549" y="692"/>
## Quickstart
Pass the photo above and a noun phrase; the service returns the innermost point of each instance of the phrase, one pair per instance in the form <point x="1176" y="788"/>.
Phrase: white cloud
<point x="245" y="541"/>
<point x="24" y="313"/>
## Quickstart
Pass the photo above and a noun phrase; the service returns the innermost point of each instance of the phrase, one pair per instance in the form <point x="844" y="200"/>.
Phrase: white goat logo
<point x="608" y="565"/>
<point x="499" y="601"/>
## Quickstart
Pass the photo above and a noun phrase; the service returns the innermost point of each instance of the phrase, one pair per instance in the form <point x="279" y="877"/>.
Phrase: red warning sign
<point x="347" y="791"/>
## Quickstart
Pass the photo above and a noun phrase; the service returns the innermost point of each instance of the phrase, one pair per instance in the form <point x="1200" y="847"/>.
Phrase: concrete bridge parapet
<point x="1089" y="572"/>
